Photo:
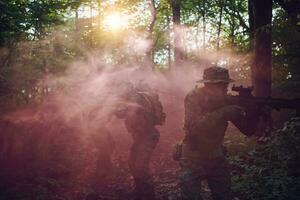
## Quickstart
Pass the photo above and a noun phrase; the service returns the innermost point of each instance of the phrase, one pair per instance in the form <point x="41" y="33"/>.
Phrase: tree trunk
<point x="178" y="54"/>
<point x="251" y="23"/>
<point x="76" y="20"/>
<point x="220" y="2"/>
<point x="91" y="24"/>
<point x="150" y="52"/>
<point x="45" y="84"/>
<point x="232" y="26"/>
<point x="197" y="36"/>
<point x="99" y="6"/>
<point x="292" y="10"/>
<point x="262" y="65"/>
<point x="169" y="43"/>
<point x="204" y="27"/>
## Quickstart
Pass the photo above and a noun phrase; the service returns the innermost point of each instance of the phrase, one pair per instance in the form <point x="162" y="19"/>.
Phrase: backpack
<point x="154" y="106"/>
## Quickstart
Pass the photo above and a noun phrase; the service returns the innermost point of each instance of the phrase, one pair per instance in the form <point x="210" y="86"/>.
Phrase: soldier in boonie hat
<point x="201" y="153"/>
<point x="216" y="74"/>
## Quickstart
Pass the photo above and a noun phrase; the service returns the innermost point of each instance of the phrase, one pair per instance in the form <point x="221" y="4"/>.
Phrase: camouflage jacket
<point x="205" y="124"/>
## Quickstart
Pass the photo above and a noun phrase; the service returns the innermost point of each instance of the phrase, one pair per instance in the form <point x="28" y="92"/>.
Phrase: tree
<point x="178" y="52"/>
<point x="262" y="64"/>
<point x="251" y="22"/>
<point x="235" y="11"/>
<point x="292" y="8"/>
<point x="150" y="51"/>
<point x="44" y="14"/>
<point x="220" y="3"/>
<point x="13" y="18"/>
<point x="287" y="38"/>
<point x="29" y="22"/>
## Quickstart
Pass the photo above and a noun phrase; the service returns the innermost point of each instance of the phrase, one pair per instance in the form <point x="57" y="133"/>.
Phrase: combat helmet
<point x="215" y="74"/>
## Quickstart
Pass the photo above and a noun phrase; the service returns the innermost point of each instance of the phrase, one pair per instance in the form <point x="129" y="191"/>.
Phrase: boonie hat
<point x="216" y="74"/>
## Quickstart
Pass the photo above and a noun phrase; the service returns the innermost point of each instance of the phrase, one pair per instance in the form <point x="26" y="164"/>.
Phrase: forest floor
<point x="165" y="172"/>
<point x="164" y="169"/>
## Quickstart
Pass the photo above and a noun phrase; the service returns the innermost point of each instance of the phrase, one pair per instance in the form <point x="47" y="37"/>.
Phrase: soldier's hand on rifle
<point x="232" y="112"/>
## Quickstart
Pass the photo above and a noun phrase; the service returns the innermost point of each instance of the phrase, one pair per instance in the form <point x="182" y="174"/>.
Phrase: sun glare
<point x="115" y="21"/>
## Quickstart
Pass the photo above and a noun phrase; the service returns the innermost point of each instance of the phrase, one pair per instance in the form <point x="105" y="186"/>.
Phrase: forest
<point x="63" y="62"/>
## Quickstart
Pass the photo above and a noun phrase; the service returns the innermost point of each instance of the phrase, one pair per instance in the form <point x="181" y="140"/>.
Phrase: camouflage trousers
<point x="139" y="160"/>
<point x="215" y="171"/>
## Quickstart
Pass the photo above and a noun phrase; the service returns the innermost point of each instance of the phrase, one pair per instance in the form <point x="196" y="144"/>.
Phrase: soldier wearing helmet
<point x="201" y="153"/>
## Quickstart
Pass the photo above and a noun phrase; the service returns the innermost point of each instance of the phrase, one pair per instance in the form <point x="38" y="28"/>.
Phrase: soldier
<point x="201" y="153"/>
<point x="142" y="111"/>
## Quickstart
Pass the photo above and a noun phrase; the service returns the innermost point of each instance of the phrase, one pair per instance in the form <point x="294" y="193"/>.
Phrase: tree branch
<point x="239" y="17"/>
<point x="153" y="11"/>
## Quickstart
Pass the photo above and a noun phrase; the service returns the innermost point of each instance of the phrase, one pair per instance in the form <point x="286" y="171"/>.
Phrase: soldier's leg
<point x="140" y="169"/>
<point x="190" y="184"/>
<point x="219" y="181"/>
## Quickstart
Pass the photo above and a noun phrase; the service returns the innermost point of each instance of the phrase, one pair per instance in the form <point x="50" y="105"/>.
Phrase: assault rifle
<point x="245" y="98"/>
<point x="261" y="105"/>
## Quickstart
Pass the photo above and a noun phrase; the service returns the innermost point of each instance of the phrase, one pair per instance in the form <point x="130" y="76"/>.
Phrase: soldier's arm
<point x="196" y="120"/>
<point x="245" y="121"/>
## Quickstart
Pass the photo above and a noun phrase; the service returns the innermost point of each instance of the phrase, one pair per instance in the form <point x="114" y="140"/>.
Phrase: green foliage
<point x="22" y="18"/>
<point x="22" y="61"/>
<point x="13" y="18"/>
<point x="286" y="53"/>
<point x="43" y="14"/>
<point x="54" y="35"/>
<point x="270" y="170"/>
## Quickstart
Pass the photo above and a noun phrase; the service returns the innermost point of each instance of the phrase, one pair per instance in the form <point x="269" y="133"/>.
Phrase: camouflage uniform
<point x="140" y="122"/>
<point x="202" y="152"/>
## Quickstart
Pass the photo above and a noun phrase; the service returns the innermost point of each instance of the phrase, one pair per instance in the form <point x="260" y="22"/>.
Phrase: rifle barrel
<point x="275" y="103"/>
